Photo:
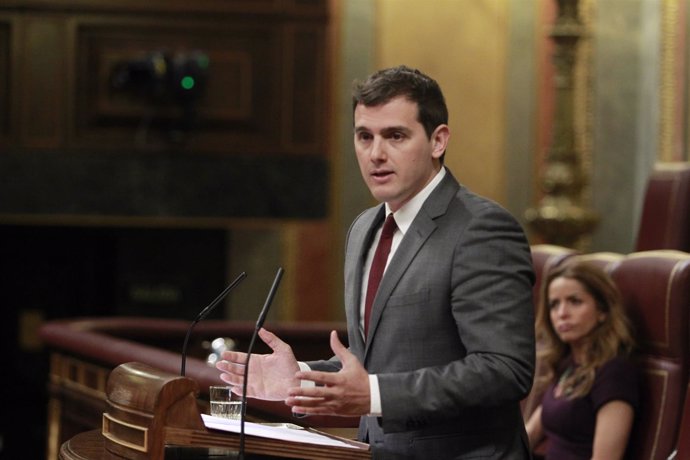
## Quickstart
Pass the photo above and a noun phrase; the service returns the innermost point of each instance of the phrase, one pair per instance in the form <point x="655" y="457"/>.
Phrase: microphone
<point x="259" y="325"/>
<point x="204" y="313"/>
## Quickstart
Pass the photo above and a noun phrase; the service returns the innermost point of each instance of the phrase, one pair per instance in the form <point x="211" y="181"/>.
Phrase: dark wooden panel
<point x="264" y="104"/>
<point x="43" y="75"/>
<point x="265" y="92"/>
<point x="239" y="112"/>
<point x="5" y="111"/>
<point x="306" y="110"/>
<point x="164" y="185"/>
<point x="230" y="85"/>
<point x="263" y="7"/>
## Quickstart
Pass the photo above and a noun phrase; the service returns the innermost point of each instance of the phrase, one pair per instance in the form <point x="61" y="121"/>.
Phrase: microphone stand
<point x="259" y="325"/>
<point x="204" y="313"/>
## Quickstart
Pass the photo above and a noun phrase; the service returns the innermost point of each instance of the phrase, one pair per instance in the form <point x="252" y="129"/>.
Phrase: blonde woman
<point x="591" y="389"/>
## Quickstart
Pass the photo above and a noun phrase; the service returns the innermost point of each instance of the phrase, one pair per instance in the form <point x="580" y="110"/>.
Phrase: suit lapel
<point x="414" y="239"/>
<point x="359" y="244"/>
<point x="422" y="227"/>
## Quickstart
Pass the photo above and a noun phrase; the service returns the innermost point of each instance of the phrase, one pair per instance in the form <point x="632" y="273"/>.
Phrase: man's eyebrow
<point x="395" y="129"/>
<point x="385" y="131"/>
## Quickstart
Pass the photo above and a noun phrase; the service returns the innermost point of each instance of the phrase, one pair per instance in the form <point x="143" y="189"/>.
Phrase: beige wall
<point x="462" y="44"/>
<point x="492" y="57"/>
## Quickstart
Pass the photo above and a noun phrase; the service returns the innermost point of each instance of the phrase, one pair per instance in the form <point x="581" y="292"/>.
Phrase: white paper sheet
<point x="283" y="432"/>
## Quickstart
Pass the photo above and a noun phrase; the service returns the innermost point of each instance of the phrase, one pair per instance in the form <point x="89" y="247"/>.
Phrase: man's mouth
<point x="381" y="174"/>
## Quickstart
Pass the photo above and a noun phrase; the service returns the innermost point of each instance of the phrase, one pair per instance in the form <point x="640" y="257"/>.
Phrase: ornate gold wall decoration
<point x="560" y="217"/>
<point x="584" y="95"/>
<point x="670" y="97"/>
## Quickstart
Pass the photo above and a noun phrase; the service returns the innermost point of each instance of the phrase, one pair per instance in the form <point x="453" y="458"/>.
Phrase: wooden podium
<point x="149" y="409"/>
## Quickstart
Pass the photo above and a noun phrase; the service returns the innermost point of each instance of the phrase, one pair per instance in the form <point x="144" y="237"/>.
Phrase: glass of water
<point x="224" y="403"/>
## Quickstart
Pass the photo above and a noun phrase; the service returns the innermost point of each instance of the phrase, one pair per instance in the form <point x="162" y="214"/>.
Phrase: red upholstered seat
<point x="656" y="292"/>
<point x="665" y="221"/>
<point x="607" y="261"/>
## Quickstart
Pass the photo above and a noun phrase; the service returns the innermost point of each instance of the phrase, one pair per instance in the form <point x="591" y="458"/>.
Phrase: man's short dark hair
<point x="387" y="84"/>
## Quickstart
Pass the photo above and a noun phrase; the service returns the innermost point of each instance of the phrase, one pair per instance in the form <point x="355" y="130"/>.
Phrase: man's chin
<point x="381" y="193"/>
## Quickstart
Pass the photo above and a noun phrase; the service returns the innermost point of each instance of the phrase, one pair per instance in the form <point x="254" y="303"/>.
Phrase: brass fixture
<point x="561" y="217"/>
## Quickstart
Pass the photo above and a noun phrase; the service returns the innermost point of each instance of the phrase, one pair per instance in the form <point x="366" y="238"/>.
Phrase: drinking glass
<point x="225" y="403"/>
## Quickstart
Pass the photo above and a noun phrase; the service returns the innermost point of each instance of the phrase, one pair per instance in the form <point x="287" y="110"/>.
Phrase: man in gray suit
<point x="441" y="354"/>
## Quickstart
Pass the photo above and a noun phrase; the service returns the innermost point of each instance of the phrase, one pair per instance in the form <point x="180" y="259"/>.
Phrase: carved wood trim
<point x="313" y="8"/>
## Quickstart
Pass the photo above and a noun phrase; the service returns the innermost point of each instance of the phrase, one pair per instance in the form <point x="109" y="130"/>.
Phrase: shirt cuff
<point x="374" y="392"/>
<point x="304" y="368"/>
<point x="375" y="396"/>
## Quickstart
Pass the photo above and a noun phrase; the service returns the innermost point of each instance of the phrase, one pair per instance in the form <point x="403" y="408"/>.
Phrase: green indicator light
<point x="187" y="82"/>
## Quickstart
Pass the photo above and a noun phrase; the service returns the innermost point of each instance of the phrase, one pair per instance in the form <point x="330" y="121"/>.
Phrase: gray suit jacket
<point x="451" y="335"/>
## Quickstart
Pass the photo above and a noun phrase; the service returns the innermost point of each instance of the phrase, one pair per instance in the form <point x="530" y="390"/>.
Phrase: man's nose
<point x="378" y="151"/>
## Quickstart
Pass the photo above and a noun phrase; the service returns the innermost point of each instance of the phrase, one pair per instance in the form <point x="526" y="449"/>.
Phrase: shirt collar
<point x="406" y="214"/>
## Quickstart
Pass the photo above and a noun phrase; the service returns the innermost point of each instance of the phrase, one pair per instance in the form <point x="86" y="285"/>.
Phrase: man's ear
<point x="439" y="140"/>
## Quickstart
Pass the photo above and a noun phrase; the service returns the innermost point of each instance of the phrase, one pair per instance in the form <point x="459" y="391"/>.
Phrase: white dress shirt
<point x="403" y="218"/>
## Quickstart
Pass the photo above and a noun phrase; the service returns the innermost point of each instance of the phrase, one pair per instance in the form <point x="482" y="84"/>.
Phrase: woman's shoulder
<point x="616" y="379"/>
<point x="618" y="365"/>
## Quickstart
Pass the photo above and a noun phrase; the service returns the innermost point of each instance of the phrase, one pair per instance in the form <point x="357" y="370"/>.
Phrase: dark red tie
<point x="378" y="265"/>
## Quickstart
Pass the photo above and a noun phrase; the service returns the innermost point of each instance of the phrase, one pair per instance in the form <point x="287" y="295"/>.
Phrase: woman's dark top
<point x="569" y="423"/>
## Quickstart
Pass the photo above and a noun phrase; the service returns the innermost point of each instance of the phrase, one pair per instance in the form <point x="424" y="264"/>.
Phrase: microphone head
<point x="269" y="298"/>
<point x="206" y="311"/>
<point x="203" y="314"/>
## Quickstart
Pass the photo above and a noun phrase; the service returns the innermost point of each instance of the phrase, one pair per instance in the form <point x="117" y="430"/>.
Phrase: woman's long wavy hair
<point x="610" y="338"/>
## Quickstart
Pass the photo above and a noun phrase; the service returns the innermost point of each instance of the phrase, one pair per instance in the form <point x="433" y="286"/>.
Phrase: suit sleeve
<point x="330" y="365"/>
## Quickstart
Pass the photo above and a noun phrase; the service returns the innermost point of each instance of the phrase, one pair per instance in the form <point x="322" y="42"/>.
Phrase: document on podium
<point x="279" y="431"/>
